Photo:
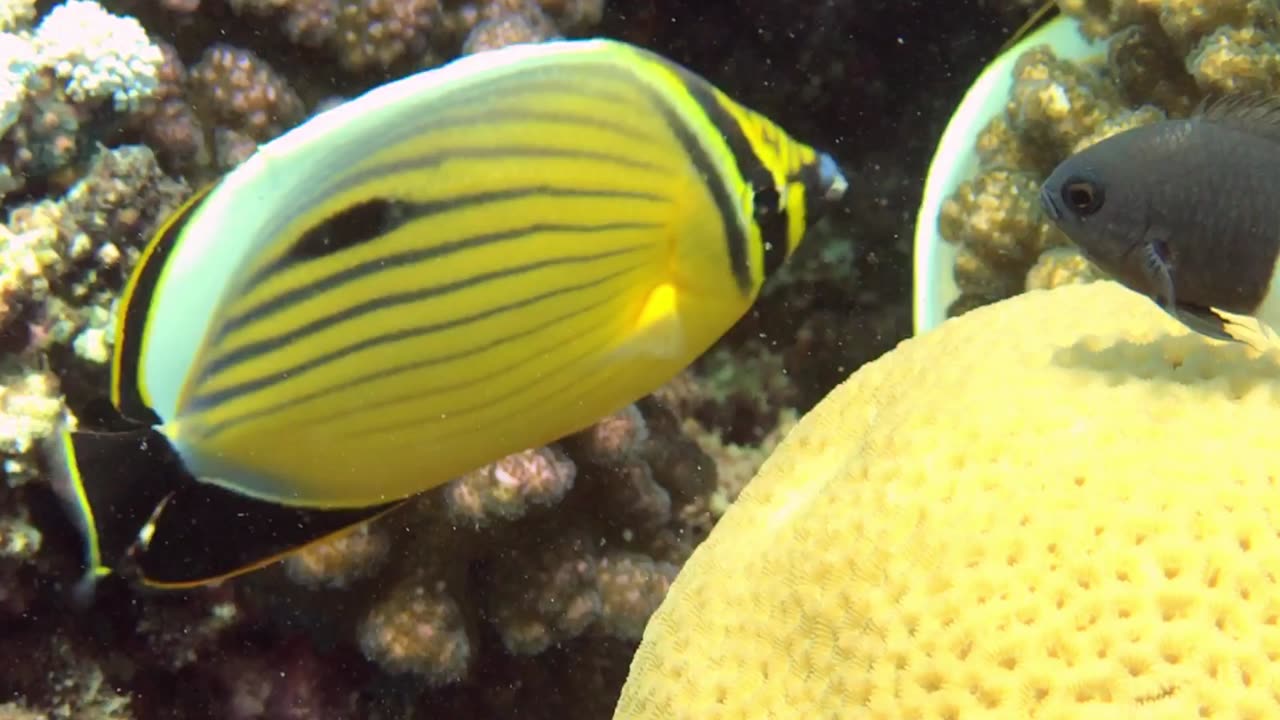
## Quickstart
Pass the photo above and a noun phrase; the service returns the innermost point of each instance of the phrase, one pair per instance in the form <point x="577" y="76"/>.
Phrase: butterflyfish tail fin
<point x="204" y="533"/>
<point x="110" y="483"/>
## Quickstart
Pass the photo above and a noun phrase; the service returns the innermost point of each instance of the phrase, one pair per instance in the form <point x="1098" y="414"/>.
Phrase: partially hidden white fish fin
<point x="1252" y="332"/>
<point x="1223" y="325"/>
<point x="659" y="331"/>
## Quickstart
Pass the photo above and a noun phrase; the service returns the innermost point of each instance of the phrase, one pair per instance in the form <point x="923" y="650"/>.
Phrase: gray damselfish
<point x="1184" y="211"/>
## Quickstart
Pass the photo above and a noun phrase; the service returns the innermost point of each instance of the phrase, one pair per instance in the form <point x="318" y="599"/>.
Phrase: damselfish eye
<point x="766" y="201"/>
<point x="1082" y="196"/>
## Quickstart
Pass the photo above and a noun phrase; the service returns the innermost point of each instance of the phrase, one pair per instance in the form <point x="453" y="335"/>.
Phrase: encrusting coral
<point x="1162" y="60"/>
<point x="1071" y="517"/>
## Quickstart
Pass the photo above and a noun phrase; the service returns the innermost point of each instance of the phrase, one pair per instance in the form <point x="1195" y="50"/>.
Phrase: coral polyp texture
<point x="377" y="34"/>
<point x="1071" y="517"/>
<point x="1161" y="60"/>
<point x="99" y="54"/>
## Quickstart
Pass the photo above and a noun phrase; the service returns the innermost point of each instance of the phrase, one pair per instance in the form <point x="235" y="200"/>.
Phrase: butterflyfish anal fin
<point x="111" y="484"/>
<point x="144" y="515"/>
<point x="205" y="534"/>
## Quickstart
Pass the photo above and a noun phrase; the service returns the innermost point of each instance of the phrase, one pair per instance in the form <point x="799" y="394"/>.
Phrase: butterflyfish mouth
<point x="831" y="180"/>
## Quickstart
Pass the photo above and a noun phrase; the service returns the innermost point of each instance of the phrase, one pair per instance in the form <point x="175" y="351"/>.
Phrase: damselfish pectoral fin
<point x="204" y="533"/>
<point x="1159" y="272"/>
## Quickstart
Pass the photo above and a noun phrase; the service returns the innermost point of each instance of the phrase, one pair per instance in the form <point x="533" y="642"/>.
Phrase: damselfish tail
<point x="145" y="516"/>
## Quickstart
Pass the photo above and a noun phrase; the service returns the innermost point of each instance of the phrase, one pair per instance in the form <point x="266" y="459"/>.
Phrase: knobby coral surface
<point x="1070" y="517"/>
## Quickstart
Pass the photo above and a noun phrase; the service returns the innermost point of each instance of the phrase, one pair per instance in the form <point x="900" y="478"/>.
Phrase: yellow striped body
<point x="455" y="267"/>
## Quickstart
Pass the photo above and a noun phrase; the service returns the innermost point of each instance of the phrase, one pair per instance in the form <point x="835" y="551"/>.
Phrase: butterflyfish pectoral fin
<point x="205" y="533"/>
<point x="658" y="331"/>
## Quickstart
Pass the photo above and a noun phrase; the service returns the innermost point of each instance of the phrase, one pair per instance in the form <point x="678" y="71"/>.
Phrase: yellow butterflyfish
<point x="462" y="264"/>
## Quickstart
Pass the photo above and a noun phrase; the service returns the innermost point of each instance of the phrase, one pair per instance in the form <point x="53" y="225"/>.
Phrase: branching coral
<point x="939" y="540"/>
<point x="243" y="93"/>
<point x="63" y="263"/>
<point x="508" y="487"/>
<point x="508" y="29"/>
<point x="78" y="684"/>
<point x="169" y="123"/>
<point x="56" y="77"/>
<point x="99" y="54"/>
<point x="569" y="548"/>
<point x="378" y="34"/>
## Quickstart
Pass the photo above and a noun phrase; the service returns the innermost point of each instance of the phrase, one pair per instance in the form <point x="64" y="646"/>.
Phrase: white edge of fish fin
<point x="322" y="124"/>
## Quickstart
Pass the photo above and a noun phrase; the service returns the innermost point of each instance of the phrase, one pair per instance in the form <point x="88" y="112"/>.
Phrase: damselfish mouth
<point x="1049" y="204"/>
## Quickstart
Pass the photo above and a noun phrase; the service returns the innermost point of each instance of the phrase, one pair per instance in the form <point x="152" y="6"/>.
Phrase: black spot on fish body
<point x="352" y="226"/>
<point x="767" y="203"/>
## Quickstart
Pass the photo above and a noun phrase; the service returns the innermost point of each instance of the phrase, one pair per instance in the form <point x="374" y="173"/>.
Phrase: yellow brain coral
<point x="1061" y="506"/>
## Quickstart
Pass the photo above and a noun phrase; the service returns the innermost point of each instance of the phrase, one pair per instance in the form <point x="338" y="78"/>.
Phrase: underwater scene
<point x="639" y="359"/>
